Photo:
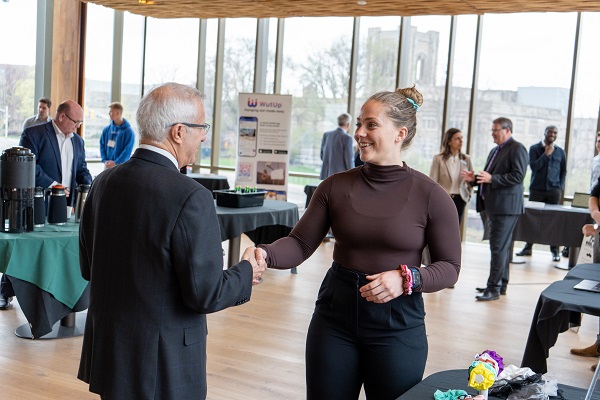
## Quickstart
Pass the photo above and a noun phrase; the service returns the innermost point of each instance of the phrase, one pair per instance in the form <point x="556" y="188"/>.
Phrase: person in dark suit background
<point x="150" y="245"/>
<point x="59" y="152"/>
<point x="337" y="152"/>
<point x="59" y="159"/>
<point x="500" y="202"/>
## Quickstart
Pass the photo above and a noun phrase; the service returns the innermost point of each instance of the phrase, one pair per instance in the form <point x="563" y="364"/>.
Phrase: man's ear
<point x="176" y="133"/>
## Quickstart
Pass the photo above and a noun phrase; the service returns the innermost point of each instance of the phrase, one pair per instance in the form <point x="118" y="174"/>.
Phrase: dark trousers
<point x="460" y="205"/>
<point x="548" y="197"/>
<point x="351" y="342"/>
<point x="6" y="289"/>
<point x="501" y="230"/>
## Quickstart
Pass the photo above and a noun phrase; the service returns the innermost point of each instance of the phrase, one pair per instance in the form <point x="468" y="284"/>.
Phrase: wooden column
<point x="67" y="71"/>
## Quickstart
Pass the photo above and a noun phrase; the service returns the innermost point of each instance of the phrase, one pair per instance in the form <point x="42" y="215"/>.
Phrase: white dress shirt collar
<point x="160" y="151"/>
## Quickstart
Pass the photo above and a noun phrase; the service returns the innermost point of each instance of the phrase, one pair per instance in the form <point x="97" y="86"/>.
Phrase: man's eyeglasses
<point x="72" y="120"/>
<point x="497" y="130"/>
<point x="206" y="127"/>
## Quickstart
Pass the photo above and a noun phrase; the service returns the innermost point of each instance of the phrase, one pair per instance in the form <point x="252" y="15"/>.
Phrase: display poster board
<point x="263" y="143"/>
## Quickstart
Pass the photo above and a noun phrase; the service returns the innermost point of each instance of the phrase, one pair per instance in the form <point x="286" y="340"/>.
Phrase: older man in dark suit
<point x="500" y="200"/>
<point x="59" y="159"/>
<point x="150" y="246"/>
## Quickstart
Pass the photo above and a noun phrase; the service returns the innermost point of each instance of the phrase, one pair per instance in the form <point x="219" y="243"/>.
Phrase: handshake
<point x="258" y="258"/>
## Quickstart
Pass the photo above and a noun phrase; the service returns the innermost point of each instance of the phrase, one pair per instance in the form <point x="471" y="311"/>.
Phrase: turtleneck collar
<point x="385" y="173"/>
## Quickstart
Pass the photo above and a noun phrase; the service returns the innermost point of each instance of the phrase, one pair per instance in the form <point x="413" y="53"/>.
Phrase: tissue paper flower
<point x="498" y="359"/>
<point x="481" y="377"/>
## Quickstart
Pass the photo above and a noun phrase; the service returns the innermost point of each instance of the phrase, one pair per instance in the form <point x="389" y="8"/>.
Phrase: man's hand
<point x="258" y="268"/>
<point x="383" y="287"/>
<point x="484" y="177"/>
<point x="549" y="149"/>
<point x="109" y="163"/>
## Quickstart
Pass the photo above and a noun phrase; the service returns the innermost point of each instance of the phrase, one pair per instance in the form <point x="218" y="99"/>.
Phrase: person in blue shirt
<point x="548" y="164"/>
<point x="116" y="142"/>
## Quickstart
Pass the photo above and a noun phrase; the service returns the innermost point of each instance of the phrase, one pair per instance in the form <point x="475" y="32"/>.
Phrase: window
<point x="587" y="98"/>
<point x="17" y="68"/>
<point x="426" y="61"/>
<point x="238" y="77"/>
<point x="131" y="76"/>
<point x="316" y="72"/>
<point x="98" y="76"/>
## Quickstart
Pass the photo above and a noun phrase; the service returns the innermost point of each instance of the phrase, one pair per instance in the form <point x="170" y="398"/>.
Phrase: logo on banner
<point x="252" y="102"/>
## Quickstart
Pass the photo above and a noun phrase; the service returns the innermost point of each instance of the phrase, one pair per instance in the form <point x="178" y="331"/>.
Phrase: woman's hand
<point x="468" y="176"/>
<point x="588" y="230"/>
<point x="383" y="287"/>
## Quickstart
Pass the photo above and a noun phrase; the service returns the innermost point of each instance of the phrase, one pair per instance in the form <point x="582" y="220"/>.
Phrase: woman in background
<point x="368" y="327"/>
<point x="446" y="167"/>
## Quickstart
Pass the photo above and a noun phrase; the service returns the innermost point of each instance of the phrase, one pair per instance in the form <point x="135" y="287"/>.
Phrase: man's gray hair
<point x="164" y="106"/>
<point x="344" y="119"/>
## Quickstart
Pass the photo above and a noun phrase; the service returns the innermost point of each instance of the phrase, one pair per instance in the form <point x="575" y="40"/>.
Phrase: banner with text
<point x="262" y="160"/>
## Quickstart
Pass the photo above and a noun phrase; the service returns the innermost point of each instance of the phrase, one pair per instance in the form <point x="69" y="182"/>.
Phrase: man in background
<point x="42" y="116"/>
<point x="548" y="164"/>
<point x="150" y="245"/>
<point x="117" y="139"/>
<point x="500" y="202"/>
<point x="337" y="153"/>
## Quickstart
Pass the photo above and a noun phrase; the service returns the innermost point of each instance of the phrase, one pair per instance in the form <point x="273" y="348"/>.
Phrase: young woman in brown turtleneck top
<point x="366" y="329"/>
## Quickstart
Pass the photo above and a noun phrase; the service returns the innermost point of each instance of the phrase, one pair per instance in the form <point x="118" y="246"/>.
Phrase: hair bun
<point x="412" y="93"/>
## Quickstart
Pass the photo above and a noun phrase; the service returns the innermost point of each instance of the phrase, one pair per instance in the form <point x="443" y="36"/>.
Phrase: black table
<point x="263" y="225"/>
<point x="43" y="267"/>
<point x="559" y="307"/>
<point x="584" y="271"/>
<point x="555" y="225"/>
<point x="457" y="379"/>
<point x="210" y="181"/>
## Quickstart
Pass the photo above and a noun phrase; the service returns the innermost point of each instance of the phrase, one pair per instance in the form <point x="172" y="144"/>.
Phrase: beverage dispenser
<point x="17" y="187"/>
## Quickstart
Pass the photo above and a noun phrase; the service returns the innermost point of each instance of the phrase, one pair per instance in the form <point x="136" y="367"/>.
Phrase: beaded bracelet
<point x="406" y="274"/>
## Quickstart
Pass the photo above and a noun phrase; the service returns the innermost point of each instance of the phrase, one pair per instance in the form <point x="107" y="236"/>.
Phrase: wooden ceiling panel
<point x="320" y="8"/>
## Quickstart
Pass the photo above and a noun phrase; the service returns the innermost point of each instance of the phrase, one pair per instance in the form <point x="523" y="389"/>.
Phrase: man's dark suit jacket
<point x="336" y="152"/>
<point x="41" y="140"/>
<point x="504" y="195"/>
<point x="150" y="245"/>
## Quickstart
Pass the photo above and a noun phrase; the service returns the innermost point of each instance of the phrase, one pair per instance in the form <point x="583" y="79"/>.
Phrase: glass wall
<point x="171" y="51"/>
<point x="238" y="77"/>
<point x="525" y="80"/>
<point x="212" y="30"/>
<point x="98" y="76"/>
<point x="524" y="73"/>
<point x="426" y="61"/>
<point x="377" y="63"/>
<point x="585" y="112"/>
<point x="131" y="76"/>
<point x="316" y="72"/>
<point x="462" y="77"/>
<point x="17" y="68"/>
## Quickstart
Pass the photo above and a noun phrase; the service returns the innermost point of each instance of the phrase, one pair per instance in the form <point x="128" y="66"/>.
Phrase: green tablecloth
<point x="48" y="257"/>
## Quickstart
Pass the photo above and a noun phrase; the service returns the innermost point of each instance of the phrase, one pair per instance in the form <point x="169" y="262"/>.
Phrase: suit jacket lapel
<point x="448" y="169"/>
<point x="54" y="142"/>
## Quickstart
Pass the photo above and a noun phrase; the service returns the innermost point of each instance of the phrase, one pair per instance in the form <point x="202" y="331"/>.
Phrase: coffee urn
<point x="82" y="192"/>
<point x="17" y="185"/>
<point x="57" y="206"/>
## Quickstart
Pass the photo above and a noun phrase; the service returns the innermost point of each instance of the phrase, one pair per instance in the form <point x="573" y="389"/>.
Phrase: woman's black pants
<point x="352" y="342"/>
